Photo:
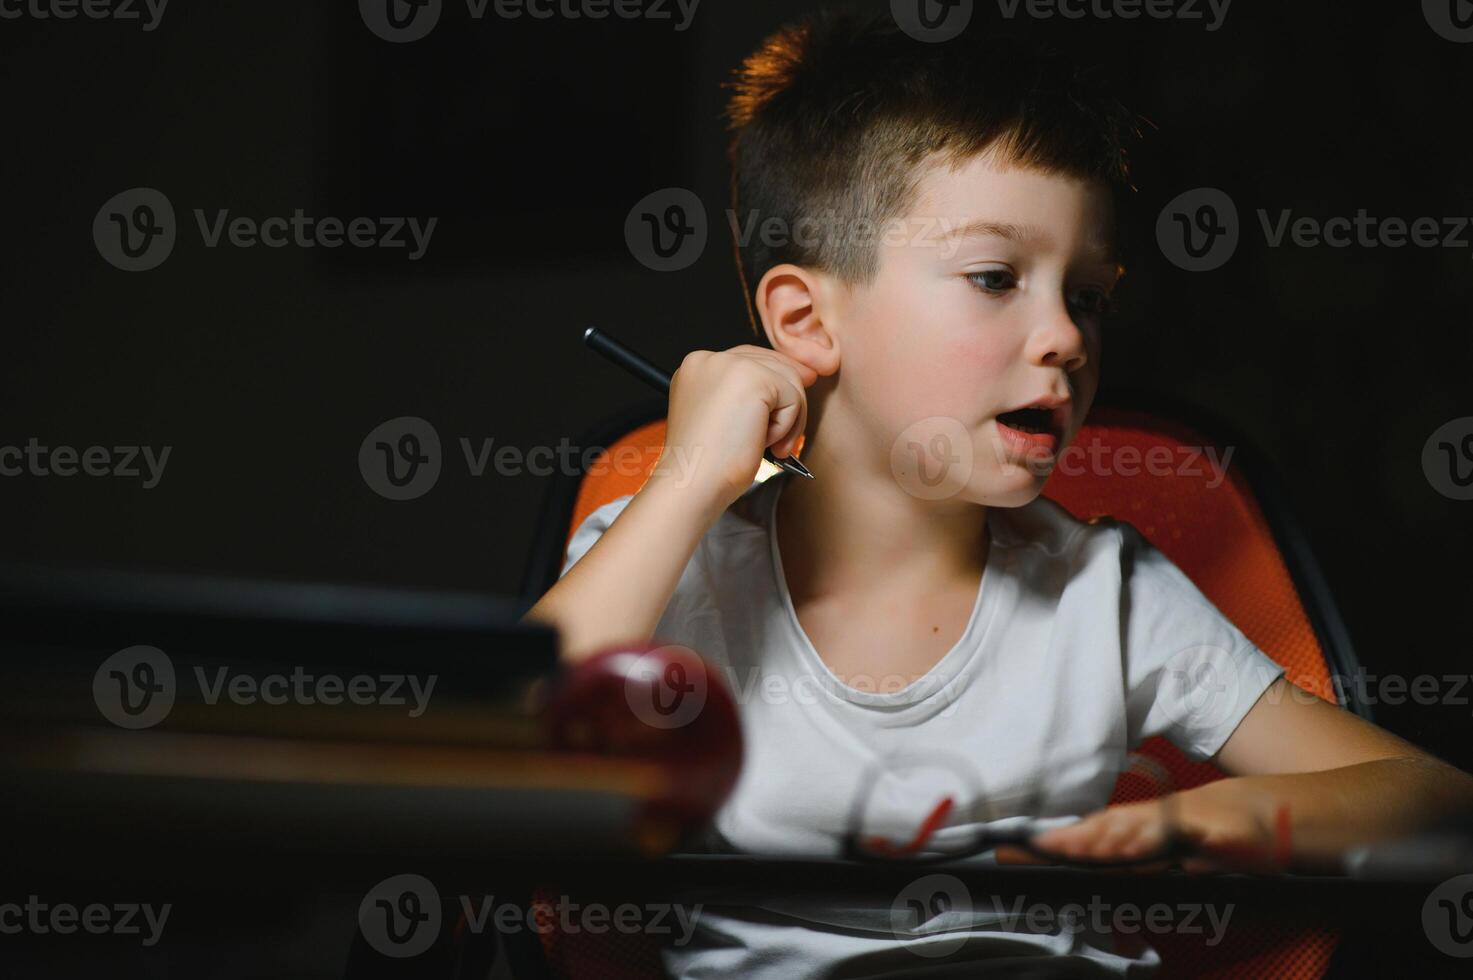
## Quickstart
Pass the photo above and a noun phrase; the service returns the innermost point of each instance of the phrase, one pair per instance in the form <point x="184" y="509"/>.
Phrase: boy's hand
<point x="1227" y="830"/>
<point x="726" y="408"/>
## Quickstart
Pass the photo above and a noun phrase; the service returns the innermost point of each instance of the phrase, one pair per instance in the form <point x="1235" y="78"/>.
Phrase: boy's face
<point x="988" y="300"/>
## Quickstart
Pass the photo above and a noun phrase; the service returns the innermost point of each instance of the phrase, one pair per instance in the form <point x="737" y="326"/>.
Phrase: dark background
<point x="264" y="369"/>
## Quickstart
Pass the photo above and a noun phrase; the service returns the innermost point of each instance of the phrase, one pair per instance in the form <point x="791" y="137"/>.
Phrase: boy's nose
<point x="1059" y="342"/>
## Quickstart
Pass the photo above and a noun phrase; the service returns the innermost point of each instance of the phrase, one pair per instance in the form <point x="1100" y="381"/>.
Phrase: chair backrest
<point x="1172" y="484"/>
<point x="1185" y="496"/>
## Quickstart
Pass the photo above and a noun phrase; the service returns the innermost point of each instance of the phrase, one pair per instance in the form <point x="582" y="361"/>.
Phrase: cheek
<point x="959" y="374"/>
<point x="974" y="361"/>
<point x="909" y="366"/>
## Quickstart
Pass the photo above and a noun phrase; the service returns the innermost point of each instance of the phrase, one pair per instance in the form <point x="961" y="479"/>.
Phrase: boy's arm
<point x="618" y="590"/>
<point x="1327" y="780"/>
<point x="1307" y="781"/>
<point x="726" y="407"/>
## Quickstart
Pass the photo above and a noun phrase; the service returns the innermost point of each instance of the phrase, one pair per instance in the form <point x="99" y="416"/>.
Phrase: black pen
<point x="660" y="381"/>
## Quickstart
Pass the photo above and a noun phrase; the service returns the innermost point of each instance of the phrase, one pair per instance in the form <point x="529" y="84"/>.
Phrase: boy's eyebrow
<point x="1103" y="253"/>
<point x="999" y="229"/>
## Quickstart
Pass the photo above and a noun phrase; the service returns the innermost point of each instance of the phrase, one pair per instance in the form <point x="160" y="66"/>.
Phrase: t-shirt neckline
<point x="943" y="672"/>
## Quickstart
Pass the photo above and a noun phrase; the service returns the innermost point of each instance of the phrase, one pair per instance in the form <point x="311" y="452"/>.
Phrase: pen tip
<point x="793" y="466"/>
<point x="589" y="332"/>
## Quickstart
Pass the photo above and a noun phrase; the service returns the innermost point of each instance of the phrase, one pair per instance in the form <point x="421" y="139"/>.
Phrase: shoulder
<point x="1047" y="544"/>
<point x="744" y="519"/>
<point x="1044" y="530"/>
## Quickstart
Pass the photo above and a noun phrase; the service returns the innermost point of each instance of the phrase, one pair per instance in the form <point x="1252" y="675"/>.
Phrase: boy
<point x="920" y="589"/>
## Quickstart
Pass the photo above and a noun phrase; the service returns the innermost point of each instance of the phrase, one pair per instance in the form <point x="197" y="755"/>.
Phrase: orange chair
<point x="1236" y="541"/>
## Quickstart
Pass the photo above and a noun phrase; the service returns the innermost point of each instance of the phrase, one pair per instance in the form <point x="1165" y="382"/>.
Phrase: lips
<point x="1028" y="443"/>
<point x="1039" y="425"/>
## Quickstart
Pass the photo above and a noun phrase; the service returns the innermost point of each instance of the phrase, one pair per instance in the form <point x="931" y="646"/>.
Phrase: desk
<point x="291" y="836"/>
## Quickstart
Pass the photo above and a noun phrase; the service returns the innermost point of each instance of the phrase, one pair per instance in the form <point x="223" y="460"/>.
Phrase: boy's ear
<point x="792" y="303"/>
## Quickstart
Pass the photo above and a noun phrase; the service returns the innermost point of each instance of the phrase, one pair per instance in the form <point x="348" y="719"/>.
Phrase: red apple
<point x="661" y="704"/>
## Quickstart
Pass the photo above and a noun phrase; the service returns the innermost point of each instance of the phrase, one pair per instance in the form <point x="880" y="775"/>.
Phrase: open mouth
<point x="1029" y="430"/>
<point x="1035" y="420"/>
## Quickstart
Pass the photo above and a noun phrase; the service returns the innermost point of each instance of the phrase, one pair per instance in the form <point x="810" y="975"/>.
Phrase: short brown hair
<point x="832" y="116"/>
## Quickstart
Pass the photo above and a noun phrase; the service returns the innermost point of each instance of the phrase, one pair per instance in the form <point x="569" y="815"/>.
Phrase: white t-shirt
<point x="1083" y="641"/>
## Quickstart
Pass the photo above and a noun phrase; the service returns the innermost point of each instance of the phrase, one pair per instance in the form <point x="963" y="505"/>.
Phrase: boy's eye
<point x="992" y="280"/>
<point x="1091" y="302"/>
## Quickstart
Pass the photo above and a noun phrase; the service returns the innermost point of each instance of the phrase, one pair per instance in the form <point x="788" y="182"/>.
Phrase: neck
<point x="854" y="528"/>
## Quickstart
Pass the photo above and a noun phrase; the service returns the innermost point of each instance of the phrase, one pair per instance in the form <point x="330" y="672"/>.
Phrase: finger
<point x="1080" y="834"/>
<point x="1150" y="834"/>
<point x="1117" y="833"/>
<point x="779" y="424"/>
<point x="1146" y="842"/>
<point x="787" y="390"/>
<point x="1118" y="838"/>
<point x="782" y="393"/>
<point x="790" y="420"/>
<point x="802" y="375"/>
<point x="807" y="374"/>
<point x="790" y="444"/>
<point x="1067" y="839"/>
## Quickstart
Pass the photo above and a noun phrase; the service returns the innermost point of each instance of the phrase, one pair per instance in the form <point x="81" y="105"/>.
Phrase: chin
<point x="1007" y="497"/>
<point x="1015" y="486"/>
